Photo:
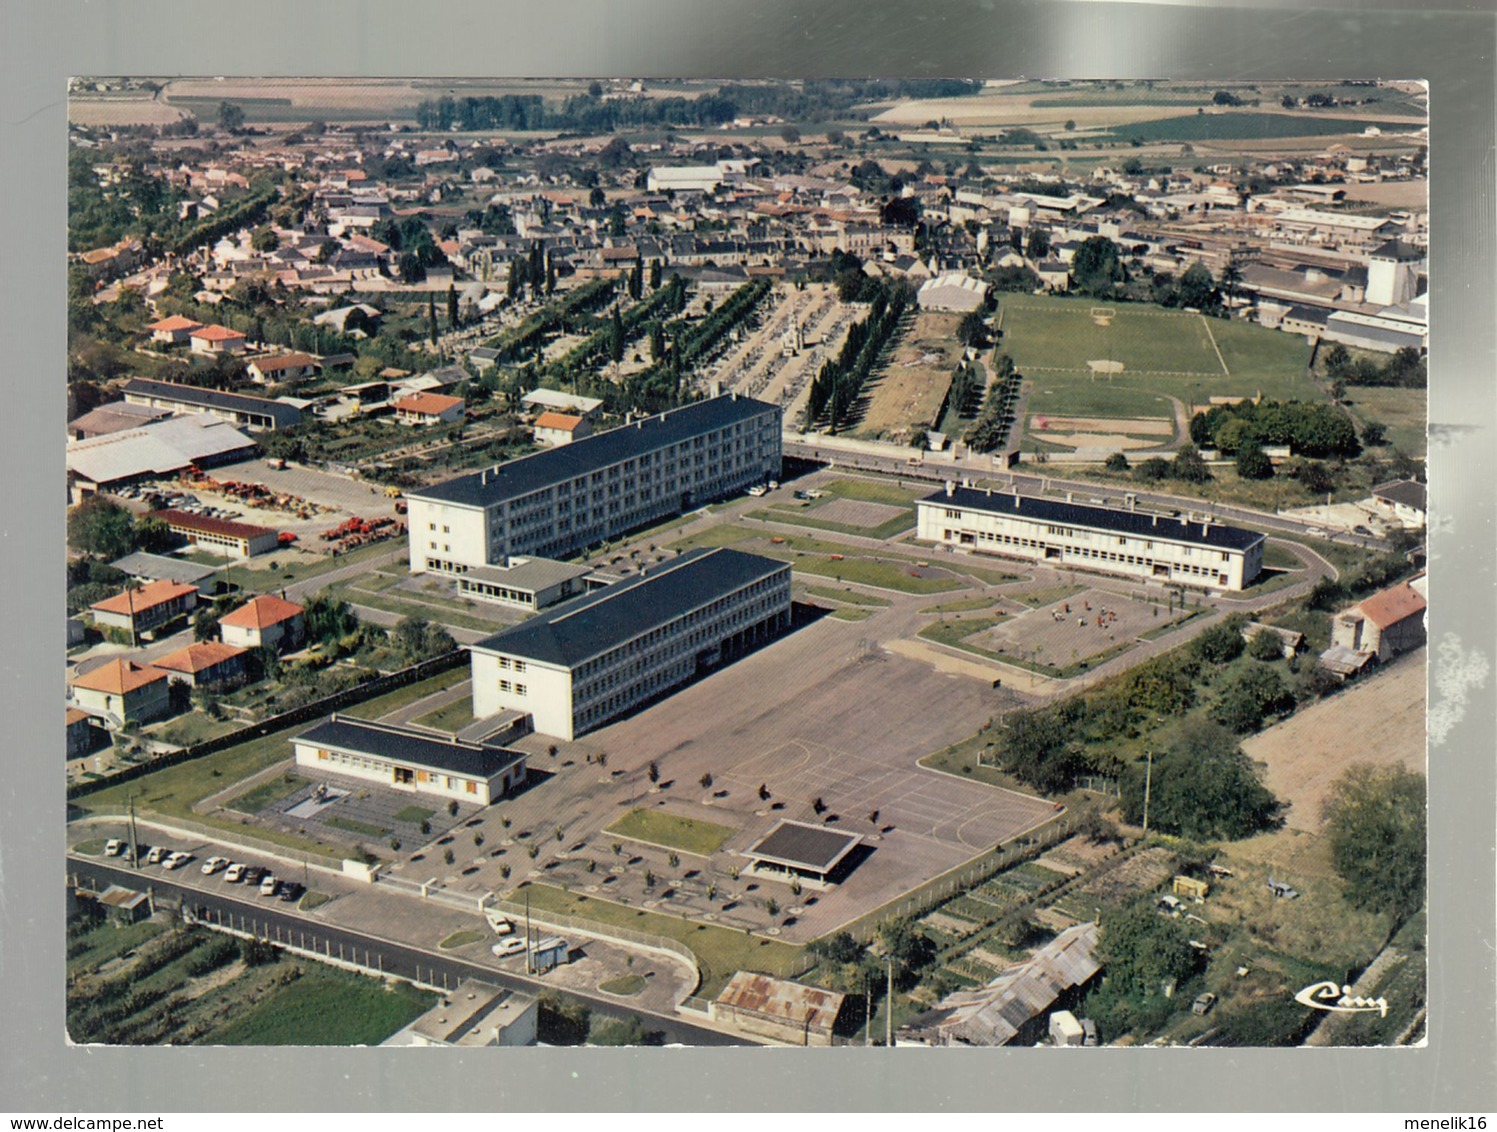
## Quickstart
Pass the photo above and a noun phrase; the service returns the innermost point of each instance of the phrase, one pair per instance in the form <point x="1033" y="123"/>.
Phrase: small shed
<point x="778" y="1008"/>
<point x="1190" y="888"/>
<point x="125" y="905"/>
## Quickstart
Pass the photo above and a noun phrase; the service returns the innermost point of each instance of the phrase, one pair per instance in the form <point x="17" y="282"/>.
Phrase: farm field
<point x="1227" y="125"/>
<point x="1404" y="411"/>
<point x="904" y="395"/>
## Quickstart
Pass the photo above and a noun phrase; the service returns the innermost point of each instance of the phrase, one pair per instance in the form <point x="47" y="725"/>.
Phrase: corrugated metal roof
<point x="793" y="1004"/>
<point x="155" y="449"/>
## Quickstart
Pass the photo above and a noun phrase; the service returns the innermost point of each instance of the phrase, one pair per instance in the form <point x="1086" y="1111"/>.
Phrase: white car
<point x="114" y="847"/>
<point x="214" y="865"/>
<point x="235" y="873"/>
<point x="157" y="854"/>
<point x="757" y="490"/>
<point x="269" y="885"/>
<point x="512" y="946"/>
<point x="176" y="860"/>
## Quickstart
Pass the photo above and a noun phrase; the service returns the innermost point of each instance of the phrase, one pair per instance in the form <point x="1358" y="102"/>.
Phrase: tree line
<point x="836" y="387"/>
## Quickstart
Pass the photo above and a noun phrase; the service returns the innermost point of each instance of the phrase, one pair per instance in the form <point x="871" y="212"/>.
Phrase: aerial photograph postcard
<point x="649" y="562"/>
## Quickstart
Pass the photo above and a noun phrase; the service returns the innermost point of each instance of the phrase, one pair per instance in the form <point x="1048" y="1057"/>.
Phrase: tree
<point x="1197" y="288"/>
<point x="653" y="772"/>
<point x="1188" y="466"/>
<point x="705" y="781"/>
<point x="452" y="318"/>
<point x="1039" y="244"/>
<point x="1203" y="786"/>
<point x="970" y="331"/>
<point x="204" y="624"/>
<point x="1152" y="469"/>
<point x="1116" y="462"/>
<point x="265" y="239"/>
<point x="1254" y="694"/>
<point x="1221" y="643"/>
<point x="431" y="316"/>
<point x="790" y="135"/>
<point x="1326" y="594"/>
<point x="1265" y="645"/>
<point x="101" y="528"/>
<point x="1253" y="463"/>
<point x="1374" y="434"/>
<point x="629" y="1031"/>
<point x="1376" y="822"/>
<point x="1041" y="747"/>
<point x="230" y="117"/>
<point x="1337" y="361"/>
<point x="1097" y="267"/>
<point x="1315" y="477"/>
<point x="330" y="621"/>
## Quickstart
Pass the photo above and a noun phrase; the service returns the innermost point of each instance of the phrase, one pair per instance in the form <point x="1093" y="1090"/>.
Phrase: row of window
<point x="1122" y="540"/>
<point x="517" y="689"/>
<point x="507" y="662"/>
<point x="1091" y="553"/>
<point x="424" y="777"/>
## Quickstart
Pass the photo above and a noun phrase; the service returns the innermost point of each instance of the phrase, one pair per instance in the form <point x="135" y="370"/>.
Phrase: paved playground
<point x="1077" y="628"/>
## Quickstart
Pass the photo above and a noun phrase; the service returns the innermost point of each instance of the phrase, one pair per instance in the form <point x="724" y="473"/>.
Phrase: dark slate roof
<point x="406" y="745"/>
<point x="1407" y="492"/>
<point x="282" y="414"/>
<point x="805" y="846"/>
<point x="1399" y="250"/>
<point x="582" y="628"/>
<point x="1142" y="524"/>
<point x="558" y="465"/>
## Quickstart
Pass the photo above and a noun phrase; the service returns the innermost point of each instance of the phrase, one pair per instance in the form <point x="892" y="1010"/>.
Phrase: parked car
<point x="511" y="946"/>
<point x="176" y="860"/>
<point x="1203" y="1003"/>
<point x="292" y="890"/>
<point x="157" y="854"/>
<point x="254" y="874"/>
<point x="757" y="490"/>
<point x="269" y="885"/>
<point x="214" y="865"/>
<point x="235" y="873"/>
<point x="114" y="847"/>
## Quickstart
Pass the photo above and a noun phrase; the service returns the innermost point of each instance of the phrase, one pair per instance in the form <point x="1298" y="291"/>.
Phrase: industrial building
<point x="152" y="451"/>
<point x="595" y="657"/>
<point x="1125" y="543"/>
<point x="219" y="536"/>
<point x="556" y="502"/>
<point x="404" y="758"/>
<point x="778" y="1009"/>
<point x="235" y="408"/>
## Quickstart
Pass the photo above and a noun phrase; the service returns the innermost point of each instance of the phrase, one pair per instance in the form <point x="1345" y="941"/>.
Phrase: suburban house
<point x="1385" y="624"/>
<point x="559" y="428"/>
<point x="265" y="621"/>
<point x="121" y="691"/>
<point x="1404" y="500"/>
<point x="138" y="610"/>
<point x="83" y="736"/>
<point x="426" y="409"/>
<point x="216" y="339"/>
<point x="206" y="664"/>
<point x="411" y="759"/>
<point x="282" y="369"/>
<point x="173" y="330"/>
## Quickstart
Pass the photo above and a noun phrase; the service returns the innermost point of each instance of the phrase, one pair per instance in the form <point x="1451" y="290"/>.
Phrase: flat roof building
<point x="561" y="500"/>
<point x="778" y="1009"/>
<point x="477" y="1014"/>
<point x="807" y="852"/>
<point x="405" y="758"/>
<point x="526" y="583"/>
<point x="1124" y="543"/>
<point x="595" y="657"/>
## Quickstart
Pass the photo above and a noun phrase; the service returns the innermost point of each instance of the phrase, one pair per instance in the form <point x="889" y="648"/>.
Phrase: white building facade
<point x="557" y="502"/>
<point x="598" y="656"/>
<point x="1129" y="544"/>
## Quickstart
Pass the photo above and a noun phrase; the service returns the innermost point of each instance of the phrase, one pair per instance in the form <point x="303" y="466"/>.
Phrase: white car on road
<point x="235" y="873"/>
<point x="177" y="860"/>
<point x="214" y="865"/>
<point x="511" y="946"/>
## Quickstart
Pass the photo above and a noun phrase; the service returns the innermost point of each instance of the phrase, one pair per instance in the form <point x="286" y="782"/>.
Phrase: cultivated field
<point x="905" y="395"/>
<point x="1380" y="720"/>
<point x="134" y="109"/>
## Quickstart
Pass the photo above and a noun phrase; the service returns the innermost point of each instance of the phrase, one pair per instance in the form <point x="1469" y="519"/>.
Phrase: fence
<point x="359" y="694"/>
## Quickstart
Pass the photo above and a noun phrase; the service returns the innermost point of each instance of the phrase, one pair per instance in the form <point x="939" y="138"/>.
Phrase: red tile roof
<point x="175" y="322"/>
<point x="118" y="677"/>
<point x="76" y="716"/>
<point x="558" y="420"/>
<point x="148" y="596"/>
<point x="1392" y="606"/>
<point x="216" y="333"/>
<point x="206" y="524"/>
<point x="199" y="657"/>
<point x="262" y="612"/>
<point x="285" y="361"/>
<point x="427" y="404"/>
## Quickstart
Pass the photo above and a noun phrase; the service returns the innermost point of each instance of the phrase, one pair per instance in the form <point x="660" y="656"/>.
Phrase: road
<point x="276" y="921"/>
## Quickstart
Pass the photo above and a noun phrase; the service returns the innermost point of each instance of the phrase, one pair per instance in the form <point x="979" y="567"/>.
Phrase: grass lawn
<point x="313" y="900"/>
<point x="719" y="951"/>
<point x="955" y="633"/>
<point x="404" y="697"/>
<point x="846" y="614"/>
<point x="326" y="1007"/>
<point x="93" y="847"/>
<point x="193" y="728"/>
<point x="253" y="801"/>
<point x="1404" y="411"/>
<point x="1276" y="557"/>
<point x="864" y="571"/>
<point x="686" y="834"/>
<point x="803" y="518"/>
<point x="961" y="605"/>
<point x="461" y="938"/>
<point x="450" y="717"/>
<point x="875" y="491"/>
<point x="443" y="611"/>
<point x="1048" y="333"/>
<point x="415" y="815"/>
<point x="353" y="825"/>
<point x="624" y="985"/>
<point x="852" y="597"/>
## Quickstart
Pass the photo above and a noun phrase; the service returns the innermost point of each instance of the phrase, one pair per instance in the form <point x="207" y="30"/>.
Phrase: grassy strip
<point x="415" y="815"/>
<point x="461" y="938"/>
<point x="846" y="614"/>
<point x="686" y="834"/>
<point x="719" y="951"/>
<point x="450" y="717"/>
<point x="253" y="801"/>
<point x="443" y="613"/>
<point x="353" y="825"/>
<point x="961" y="605"/>
<point x="887" y="529"/>
<point x="326" y="1007"/>
<point x="624" y="985"/>
<point x="850" y="596"/>
<point x="954" y="633"/>
<point x="1170" y="626"/>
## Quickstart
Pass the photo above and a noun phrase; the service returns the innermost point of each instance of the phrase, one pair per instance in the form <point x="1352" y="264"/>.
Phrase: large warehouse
<point x="557" y="502"/>
<point x="595" y="657"/>
<point x="1130" y="544"/>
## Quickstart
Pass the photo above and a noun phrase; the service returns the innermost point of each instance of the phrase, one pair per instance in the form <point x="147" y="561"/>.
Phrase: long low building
<point x="562" y="500"/>
<point x="595" y="657"/>
<point x="405" y="758"/>
<point x="1129" y="544"/>
<point x="153" y="451"/>
<point x="235" y="408"/>
<point x="525" y="583"/>
<point x="219" y="536"/>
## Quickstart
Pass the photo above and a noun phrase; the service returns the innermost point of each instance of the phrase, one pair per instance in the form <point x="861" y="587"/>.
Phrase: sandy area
<point x="1380" y="721"/>
<point x="1143" y="426"/>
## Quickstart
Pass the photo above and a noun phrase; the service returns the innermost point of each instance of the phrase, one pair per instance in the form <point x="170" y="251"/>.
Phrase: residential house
<point x="265" y="621"/>
<point x="1385" y="624"/>
<point x="138" y="611"/>
<point x="83" y="736"/>
<point x="428" y="409"/>
<point x="121" y="692"/>
<point x="206" y="664"/>
<point x="174" y="330"/>
<point x="216" y="339"/>
<point x="282" y="369"/>
<point x="559" y="428"/>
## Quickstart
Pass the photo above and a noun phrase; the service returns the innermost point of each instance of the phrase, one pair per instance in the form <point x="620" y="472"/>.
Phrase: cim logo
<point x="1330" y="996"/>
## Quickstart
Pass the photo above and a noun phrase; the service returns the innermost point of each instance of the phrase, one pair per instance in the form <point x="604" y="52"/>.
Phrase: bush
<point x="1265" y="645"/>
<point x="1117" y="462"/>
<point x="1222" y="643"/>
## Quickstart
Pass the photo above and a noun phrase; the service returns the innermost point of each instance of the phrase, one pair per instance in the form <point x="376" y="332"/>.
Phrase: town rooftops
<point x="174" y="323"/>
<point x="216" y="333"/>
<point x="208" y="399"/>
<point x="591" y="625"/>
<point x="118" y="677"/>
<point x="1406" y="492"/>
<point x="208" y="525"/>
<point x="407" y="745"/>
<point x="148" y="596"/>
<point x="794" y="1004"/>
<point x="1140" y="523"/>
<point x="801" y="846"/>
<point x="198" y="657"/>
<point x="261" y="612"/>
<point x="548" y="468"/>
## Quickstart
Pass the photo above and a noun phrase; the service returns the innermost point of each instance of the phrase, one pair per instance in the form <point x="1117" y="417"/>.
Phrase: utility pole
<point x="134" y="847"/>
<point x="529" y="955"/>
<point x="889" y="1006"/>
<point x="1148" y="782"/>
